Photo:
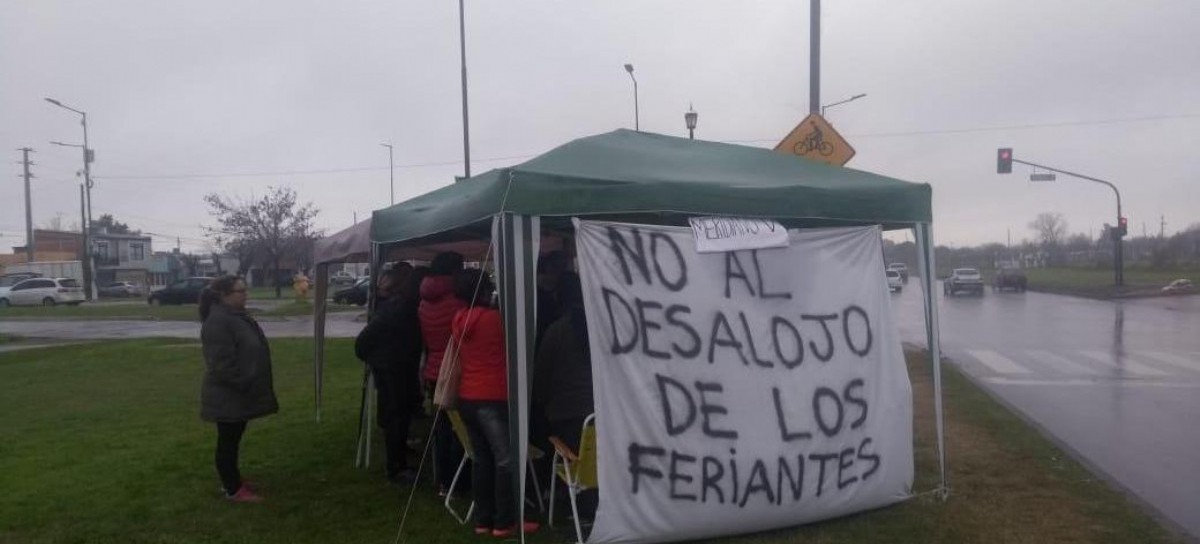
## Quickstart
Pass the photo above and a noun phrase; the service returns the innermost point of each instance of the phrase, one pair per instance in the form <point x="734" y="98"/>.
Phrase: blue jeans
<point x="492" y="476"/>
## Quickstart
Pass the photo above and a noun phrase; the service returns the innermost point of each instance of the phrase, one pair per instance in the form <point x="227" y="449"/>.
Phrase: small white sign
<point x="721" y="234"/>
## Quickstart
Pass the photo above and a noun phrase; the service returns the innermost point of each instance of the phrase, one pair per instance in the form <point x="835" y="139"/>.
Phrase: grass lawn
<point x="101" y="443"/>
<point x="1098" y="282"/>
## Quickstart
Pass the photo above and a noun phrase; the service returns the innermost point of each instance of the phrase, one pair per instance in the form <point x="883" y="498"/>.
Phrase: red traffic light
<point x="1004" y="160"/>
<point x="1123" y="221"/>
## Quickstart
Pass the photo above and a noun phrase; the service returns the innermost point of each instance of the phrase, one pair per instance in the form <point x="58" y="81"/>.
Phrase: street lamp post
<point x="391" y="172"/>
<point x="636" y="124"/>
<point x="88" y="157"/>
<point x="851" y="99"/>
<point x="690" y="119"/>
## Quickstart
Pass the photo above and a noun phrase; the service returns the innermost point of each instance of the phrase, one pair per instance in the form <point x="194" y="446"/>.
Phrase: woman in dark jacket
<point x="391" y="347"/>
<point x="237" y="378"/>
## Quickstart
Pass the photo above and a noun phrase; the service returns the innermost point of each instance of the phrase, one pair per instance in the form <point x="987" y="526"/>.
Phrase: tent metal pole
<point x="320" y="291"/>
<point x="516" y="239"/>
<point x="928" y="269"/>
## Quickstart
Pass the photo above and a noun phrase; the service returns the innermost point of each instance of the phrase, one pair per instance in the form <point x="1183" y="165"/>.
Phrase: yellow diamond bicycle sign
<point x="815" y="139"/>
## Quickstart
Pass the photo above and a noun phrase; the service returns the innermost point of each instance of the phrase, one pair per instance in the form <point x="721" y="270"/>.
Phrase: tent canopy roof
<point x="352" y="244"/>
<point x="655" y="179"/>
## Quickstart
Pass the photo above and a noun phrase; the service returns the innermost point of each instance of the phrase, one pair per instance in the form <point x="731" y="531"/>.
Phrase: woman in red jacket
<point x="483" y="403"/>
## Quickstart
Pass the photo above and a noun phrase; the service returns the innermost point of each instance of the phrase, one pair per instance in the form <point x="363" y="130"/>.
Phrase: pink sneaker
<point x="244" y="494"/>
<point x="529" y="526"/>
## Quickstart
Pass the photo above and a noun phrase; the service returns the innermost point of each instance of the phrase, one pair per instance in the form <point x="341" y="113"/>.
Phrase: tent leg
<point x="516" y="239"/>
<point x="320" y="291"/>
<point x="928" y="269"/>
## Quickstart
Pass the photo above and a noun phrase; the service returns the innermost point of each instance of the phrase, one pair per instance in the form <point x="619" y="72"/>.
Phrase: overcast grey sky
<point x="225" y="88"/>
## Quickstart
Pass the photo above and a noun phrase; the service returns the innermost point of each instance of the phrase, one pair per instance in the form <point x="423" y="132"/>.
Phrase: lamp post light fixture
<point x="636" y="124"/>
<point x="690" y="118"/>
<point x="88" y="157"/>
<point x="391" y="172"/>
<point x="851" y="99"/>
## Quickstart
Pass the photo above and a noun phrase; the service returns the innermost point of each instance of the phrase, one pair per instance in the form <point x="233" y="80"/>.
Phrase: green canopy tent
<point x="643" y="178"/>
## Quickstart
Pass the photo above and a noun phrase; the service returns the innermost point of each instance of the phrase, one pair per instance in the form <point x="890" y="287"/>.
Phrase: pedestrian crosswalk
<point x="1085" y="364"/>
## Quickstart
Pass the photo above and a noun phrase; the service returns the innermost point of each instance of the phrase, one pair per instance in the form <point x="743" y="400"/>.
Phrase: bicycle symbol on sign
<point x="814" y="141"/>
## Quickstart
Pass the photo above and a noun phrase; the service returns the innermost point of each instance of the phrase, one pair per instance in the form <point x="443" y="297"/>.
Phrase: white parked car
<point x="894" y="281"/>
<point x="45" y="292"/>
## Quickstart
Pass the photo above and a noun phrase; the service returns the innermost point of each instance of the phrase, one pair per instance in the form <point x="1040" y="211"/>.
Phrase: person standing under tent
<point x="238" y="384"/>
<point x="391" y="346"/>
<point x="483" y="403"/>
<point x="562" y="376"/>
<point x="437" y="309"/>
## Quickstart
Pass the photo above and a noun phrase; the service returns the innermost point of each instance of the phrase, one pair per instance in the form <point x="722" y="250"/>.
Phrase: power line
<point x="298" y="172"/>
<point x="1027" y="126"/>
<point x="968" y="130"/>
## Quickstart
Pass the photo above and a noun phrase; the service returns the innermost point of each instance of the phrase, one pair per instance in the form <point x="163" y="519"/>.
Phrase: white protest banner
<point x="719" y="234"/>
<point x="741" y="391"/>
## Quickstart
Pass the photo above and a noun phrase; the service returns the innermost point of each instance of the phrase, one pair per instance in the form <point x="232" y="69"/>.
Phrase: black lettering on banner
<point x="818" y="412"/>
<point x="787" y="362"/>
<point x="637" y="469"/>
<point x="846" y="329"/>
<point x="757" y="483"/>
<point x="721" y="324"/>
<point x="647" y="326"/>
<point x="731" y="260"/>
<point x="733" y="475"/>
<point x="859" y="401"/>
<point x="762" y="289"/>
<point x="750" y="342"/>
<point x="693" y="351"/>
<point x="675" y="475"/>
<point x="681" y="281"/>
<point x="796" y="481"/>
<point x="828" y="353"/>
<point x="821" y="458"/>
<point x="845" y="461"/>
<point x="674" y="428"/>
<point x="868" y="456"/>
<point x="784" y="433"/>
<point x="637" y="253"/>
<point x="617" y="347"/>
<point x="707" y="409"/>
<point x="709" y="480"/>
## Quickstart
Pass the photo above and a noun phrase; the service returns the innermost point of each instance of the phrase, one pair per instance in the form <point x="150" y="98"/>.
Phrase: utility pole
<point x="83" y="214"/>
<point x="814" y="56"/>
<point x="462" y="42"/>
<point x="1162" y="226"/>
<point x="29" y="253"/>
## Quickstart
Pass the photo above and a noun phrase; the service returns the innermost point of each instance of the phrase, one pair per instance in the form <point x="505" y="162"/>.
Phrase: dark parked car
<point x="1009" y="278"/>
<point x="181" y="292"/>
<point x="355" y="294"/>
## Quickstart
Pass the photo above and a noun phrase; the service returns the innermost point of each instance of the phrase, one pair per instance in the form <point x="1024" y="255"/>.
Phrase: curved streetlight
<point x="851" y="99"/>
<point x="690" y="119"/>
<point x="88" y="157"/>
<point x="636" y="124"/>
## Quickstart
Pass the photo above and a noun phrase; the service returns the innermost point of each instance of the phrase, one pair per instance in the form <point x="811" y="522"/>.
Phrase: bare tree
<point x="273" y="227"/>
<point x="1050" y="227"/>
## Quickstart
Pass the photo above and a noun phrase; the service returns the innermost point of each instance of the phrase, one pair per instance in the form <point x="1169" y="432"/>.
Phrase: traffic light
<point x="1004" y="160"/>
<point x="1122" y="226"/>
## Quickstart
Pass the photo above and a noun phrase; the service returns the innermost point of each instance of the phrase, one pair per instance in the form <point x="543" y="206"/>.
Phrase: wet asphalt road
<point x="341" y="324"/>
<point x="1117" y="383"/>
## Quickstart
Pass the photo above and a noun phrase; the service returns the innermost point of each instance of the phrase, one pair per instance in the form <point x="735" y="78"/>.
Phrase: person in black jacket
<point x="391" y="346"/>
<point x="562" y="380"/>
<point x="237" y="383"/>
